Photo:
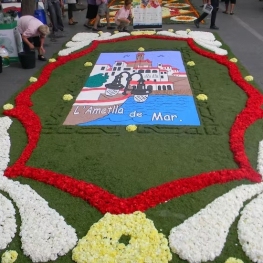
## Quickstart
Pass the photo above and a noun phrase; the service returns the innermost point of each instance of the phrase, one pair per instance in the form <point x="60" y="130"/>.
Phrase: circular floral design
<point x="101" y="244"/>
<point x="177" y="5"/>
<point x="183" y="18"/>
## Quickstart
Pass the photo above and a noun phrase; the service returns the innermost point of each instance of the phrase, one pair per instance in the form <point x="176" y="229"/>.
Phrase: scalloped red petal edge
<point x="102" y="199"/>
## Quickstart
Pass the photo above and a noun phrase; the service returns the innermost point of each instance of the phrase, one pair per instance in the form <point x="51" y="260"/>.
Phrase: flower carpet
<point x="173" y="11"/>
<point x="134" y="192"/>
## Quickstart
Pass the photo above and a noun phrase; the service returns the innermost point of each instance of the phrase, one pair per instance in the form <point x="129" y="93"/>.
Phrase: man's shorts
<point x="103" y="9"/>
<point x="231" y="1"/>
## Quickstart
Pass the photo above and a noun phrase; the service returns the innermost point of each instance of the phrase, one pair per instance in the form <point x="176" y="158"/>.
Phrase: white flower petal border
<point x="44" y="233"/>
<point x="201" y="237"/>
<point x="250" y="229"/>
<point x="204" y="39"/>
<point x="7" y="222"/>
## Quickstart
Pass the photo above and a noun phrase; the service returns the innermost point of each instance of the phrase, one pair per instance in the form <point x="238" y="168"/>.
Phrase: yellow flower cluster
<point x="249" y="78"/>
<point x="88" y="64"/>
<point x="32" y="79"/>
<point x="190" y="63"/>
<point x="52" y="60"/>
<point x="8" y="106"/>
<point x="115" y="32"/>
<point x="101" y="244"/>
<point x="170" y="30"/>
<point x="131" y="128"/>
<point x="233" y="60"/>
<point x="100" y="32"/>
<point x="188" y="30"/>
<point x="233" y="260"/>
<point x="138" y="33"/>
<point x="202" y="97"/>
<point x="67" y="97"/>
<point x="141" y="49"/>
<point x="9" y="256"/>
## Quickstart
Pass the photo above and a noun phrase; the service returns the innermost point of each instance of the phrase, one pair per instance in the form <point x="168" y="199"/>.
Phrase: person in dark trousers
<point x="215" y="4"/>
<point x="71" y="8"/>
<point x="54" y="9"/>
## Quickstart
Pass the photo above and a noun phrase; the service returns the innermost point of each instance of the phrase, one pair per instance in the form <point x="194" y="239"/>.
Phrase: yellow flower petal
<point x="233" y="260"/>
<point x="8" y="106"/>
<point x="115" y="32"/>
<point x="138" y="33"/>
<point x="9" y="256"/>
<point x="88" y="64"/>
<point x="233" y="60"/>
<point x="202" y="97"/>
<point x="32" y="79"/>
<point x="170" y="30"/>
<point x="131" y="128"/>
<point x="141" y="49"/>
<point x="52" y="60"/>
<point x="188" y="30"/>
<point x="249" y="78"/>
<point x="102" y="242"/>
<point x="67" y="97"/>
<point x="190" y="63"/>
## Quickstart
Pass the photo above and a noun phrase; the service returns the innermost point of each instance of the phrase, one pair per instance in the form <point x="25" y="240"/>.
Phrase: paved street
<point x="242" y="32"/>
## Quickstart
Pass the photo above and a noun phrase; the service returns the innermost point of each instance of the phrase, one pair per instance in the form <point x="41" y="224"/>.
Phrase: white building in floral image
<point x="158" y="78"/>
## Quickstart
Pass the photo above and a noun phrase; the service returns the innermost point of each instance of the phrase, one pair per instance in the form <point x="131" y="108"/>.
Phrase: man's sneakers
<point x="196" y="23"/>
<point x="214" y="27"/>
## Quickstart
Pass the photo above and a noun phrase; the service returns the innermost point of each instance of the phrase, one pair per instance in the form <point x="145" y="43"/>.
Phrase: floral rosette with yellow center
<point x="102" y="242"/>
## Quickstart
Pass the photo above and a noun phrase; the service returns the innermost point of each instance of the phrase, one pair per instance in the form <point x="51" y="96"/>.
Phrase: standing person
<point x="33" y="33"/>
<point x="215" y="4"/>
<point x="71" y="8"/>
<point x="123" y="16"/>
<point x="233" y="2"/>
<point x="92" y="11"/>
<point x="54" y="9"/>
<point x="103" y="11"/>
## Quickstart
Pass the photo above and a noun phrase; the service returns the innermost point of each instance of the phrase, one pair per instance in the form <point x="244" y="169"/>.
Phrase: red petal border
<point x="102" y="199"/>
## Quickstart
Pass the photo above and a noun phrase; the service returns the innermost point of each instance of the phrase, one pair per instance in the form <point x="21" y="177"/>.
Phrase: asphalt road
<point x="242" y="32"/>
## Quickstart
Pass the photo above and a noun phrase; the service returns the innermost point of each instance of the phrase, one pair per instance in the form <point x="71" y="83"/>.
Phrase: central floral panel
<point x="147" y="88"/>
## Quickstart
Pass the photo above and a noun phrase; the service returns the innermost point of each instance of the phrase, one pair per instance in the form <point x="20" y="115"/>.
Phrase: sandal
<point x="42" y="58"/>
<point x="231" y="13"/>
<point x="225" y="12"/>
<point x="87" y="26"/>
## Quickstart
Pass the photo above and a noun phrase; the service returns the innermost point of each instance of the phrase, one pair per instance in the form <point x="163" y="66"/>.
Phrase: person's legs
<point x="26" y="47"/>
<point x="199" y="19"/>
<point x="58" y="12"/>
<point x="70" y="14"/>
<point x="37" y="44"/>
<point x="226" y="5"/>
<point x="233" y="2"/>
<point x="95" y="27"/>
<point x="108" y="21"/>
<point x="53" y="17"/>
<point x="213" y="19"/>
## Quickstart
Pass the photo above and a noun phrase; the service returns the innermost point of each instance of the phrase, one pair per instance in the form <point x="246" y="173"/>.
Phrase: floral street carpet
<point x="173" y="11"/>
<point x="82" y="181"/>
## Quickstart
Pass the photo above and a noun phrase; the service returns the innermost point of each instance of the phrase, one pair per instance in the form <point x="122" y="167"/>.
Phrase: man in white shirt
<point x="33" y="33"/>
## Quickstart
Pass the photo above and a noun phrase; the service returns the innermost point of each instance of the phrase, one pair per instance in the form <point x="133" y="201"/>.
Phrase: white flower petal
<point x="5" y="123"/>
<point x="202" y="237"/>
<point x="250" y="229"/>
<point x="7" y="222"/>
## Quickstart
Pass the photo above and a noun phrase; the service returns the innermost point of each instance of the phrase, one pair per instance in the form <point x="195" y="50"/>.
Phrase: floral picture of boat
<point x="136" y="88"/>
